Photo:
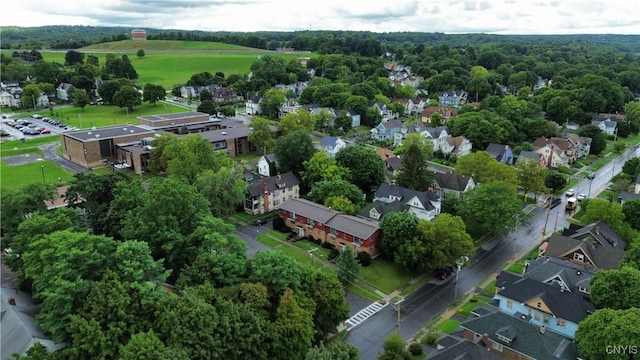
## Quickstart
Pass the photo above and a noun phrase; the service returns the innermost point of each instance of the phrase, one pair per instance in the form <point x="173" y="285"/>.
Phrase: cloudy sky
<point x="486" y="16"/>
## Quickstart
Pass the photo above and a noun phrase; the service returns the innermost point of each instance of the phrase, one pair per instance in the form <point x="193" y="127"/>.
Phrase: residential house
<point x="331" y="145"/>
<point x="328" y="114"/>
<point x="588" y="253"/>
<point x="553" y="155"/>
<point x="308" y="219"/>
<point x="542" y="304"/>
<point x="636" y="188"/>
<point x="455" y="98"/>
<point x="513" y="338"/>
<point x="452" y="184"/>
<point x="564" y="148"/>
<point x="189" y="92"/>
<point x="392" y="166"/>
<point x="532" y="156"/>
<point x="562" y="273"/>
<point x="500" y="152"/>
<point x="607" y="126"/>
<point x="452" y="347"/>
<point x="222" y="94"/>
<point x="598" y="231"/>
<point x="378" y="209"/>
<point x="411" y="106"/>
<point x="64" y="90"/>
<point x="252" y="106"/>
<point x="425" y="205"/>
<point x="11" y="97"/>
<point x="581" y="145"/>
<point x="385" y="112"/>
<point x="386" y="130"/>
<point x="385" y="153"/>
<point x="267" y="165"/>
<point x="290" y="106"/>
<point x="355" y="117"/>
<point x="268" y="194"/>
<point x="454" y="147"/>
<point x="437" y="135"/>
<point x="445" y="114"/>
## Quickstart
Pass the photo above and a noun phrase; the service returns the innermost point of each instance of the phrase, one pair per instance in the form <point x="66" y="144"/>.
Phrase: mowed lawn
<point x="168" y="45"/>
<point x="107" y="115"/>
<point x="14" y="177"/>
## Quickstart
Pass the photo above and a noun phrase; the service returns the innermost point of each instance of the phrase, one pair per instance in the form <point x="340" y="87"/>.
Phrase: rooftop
<point x="109" y="132"/>
<point x="174" y="116"/>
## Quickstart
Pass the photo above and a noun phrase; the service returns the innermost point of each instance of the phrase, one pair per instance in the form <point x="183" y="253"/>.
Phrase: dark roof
<point x="329" y="141"/>
<point x="496" y="150"/>
<point x="603" y="257"/>
<point x="459" y="349"/>
<point x="353" y="225"/>
<point x="451" y="180"/>
<point x="271" y="158"/>
<point x="392" y="124"/>
<point x="283" y="181"/>
<point x="529" y="339"/>
<point x="566" y="305"/>
<point x="225" y="134"/>
<point x="386" y="191"/>
<point x="394" y="163"/>
<point x="602" y="233"/>
<point x="109" y="132"/>
<point x="436" y="131"/>
<point x="173" y="116"/>
<point x="382" y="208"/>
<point x="627" y="196"/>
<point x="547" y="270"/>
<point x="308" y="209"/>
<point x="529" y="155"/>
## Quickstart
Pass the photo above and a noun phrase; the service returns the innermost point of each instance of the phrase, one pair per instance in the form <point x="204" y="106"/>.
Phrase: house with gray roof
<point x="533" y="156"/>
<point x="567" y="275"/>
<point x="452" y="184"/>
<point x="512" y="338"/>
<point x="252" y="106"/>
<point x="267" y="194"/>
<point x="600" y="232"/>
<point x="331" y="145"/>
<point x="500" y="152"/>
<point x="64" y="90"/>
<point x="308" y="219"/>
<point x="437" y="135"/>
<point x="624" y="196"/>
<point x="606" y="125"/>
<point x="378" y="209"/>
<point x="589" y="253"/>
<point x="386" y="130"/>
<point x="267" y="165"/>
<point x="543" y="304"/>
<point x="451" y="347"/>
<point x="424" y="204"/>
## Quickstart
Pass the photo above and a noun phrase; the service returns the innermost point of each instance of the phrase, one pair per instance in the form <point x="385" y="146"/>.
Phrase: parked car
<point x="570" y="193"/>
<point x="37" y="116"/>
<point x="45" y="131"/>
<point x="591" y="175"/>
<point x="260" y="222"/>
<point x="582" y="196"/>
<point x="444" y="273"/>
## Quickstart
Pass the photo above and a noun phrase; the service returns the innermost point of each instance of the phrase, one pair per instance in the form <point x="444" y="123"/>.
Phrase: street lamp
<point x="398" y="310"/>
<point x="42" y="169"/>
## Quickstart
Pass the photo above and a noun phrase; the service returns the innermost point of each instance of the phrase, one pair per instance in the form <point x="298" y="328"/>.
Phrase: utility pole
<point x="515" y="237"/>
<point x="544" y="229"/>
<point x="398" y="310"/>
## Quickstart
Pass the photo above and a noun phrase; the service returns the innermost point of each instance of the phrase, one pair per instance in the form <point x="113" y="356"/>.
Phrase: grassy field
<point x="106" y="115"/>
<point x="448" y="326"/>
<point x="384" y="275"/>
<point x="169" y="45"/>
<point x="172" y="67"/>
<point x="17" y="147"/>
<point x="14" y="177"/>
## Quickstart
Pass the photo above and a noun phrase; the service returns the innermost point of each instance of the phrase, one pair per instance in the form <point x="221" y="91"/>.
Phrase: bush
<point x="364" y="258"/>
<point x="333" y="254"/>
<point x="415" y="349"/>
<point x="429" y="339"/>
<point x="327" y="245"/>
<point x="278" y="224"/>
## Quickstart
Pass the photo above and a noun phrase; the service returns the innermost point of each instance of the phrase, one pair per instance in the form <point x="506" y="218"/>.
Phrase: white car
<point x="570" y="192"/>
<point x="582" y="196"/>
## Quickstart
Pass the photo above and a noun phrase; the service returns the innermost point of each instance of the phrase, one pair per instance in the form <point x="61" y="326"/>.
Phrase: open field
<point x="169" y="45"/>
<point x="17" y="147"/>
<point x="106" y="115"/>
<point x="14" y="177"/>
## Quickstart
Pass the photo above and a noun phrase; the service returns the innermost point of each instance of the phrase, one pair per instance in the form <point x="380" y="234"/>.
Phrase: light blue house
<point x="455" y="98"/>
<point x="550" y="305"/>
<point x="386" y="130"/>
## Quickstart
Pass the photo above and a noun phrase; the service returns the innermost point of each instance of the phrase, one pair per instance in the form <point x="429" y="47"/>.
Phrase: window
<point x="310" y="223"/>
<point x="561" y="322"/>
<point x="509" y="304"/>
<point x="292" y="216"/>
<point x="356" y="240"/>
<point x="497" y="346"/>
<point x="333" y="232"/>
<point x="578" y="257"/>
<point x="539" y="305"/>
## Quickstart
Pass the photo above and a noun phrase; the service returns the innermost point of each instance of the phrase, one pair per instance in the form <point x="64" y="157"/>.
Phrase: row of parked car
<point x="26" y="127"/>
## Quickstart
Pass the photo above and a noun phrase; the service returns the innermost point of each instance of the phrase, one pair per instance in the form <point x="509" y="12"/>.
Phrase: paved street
<point x="431" y="300"/>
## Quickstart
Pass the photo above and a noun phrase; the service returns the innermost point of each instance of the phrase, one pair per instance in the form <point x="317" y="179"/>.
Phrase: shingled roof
<point x="603" y="257"/>
<point x="451" y="180"/>
<point x="273" y="183"/>
<point x="549" y="270"/>
<point x="386" y="191"/>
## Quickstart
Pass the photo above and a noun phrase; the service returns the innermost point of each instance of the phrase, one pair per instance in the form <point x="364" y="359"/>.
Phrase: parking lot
<point x="32" y="127"/>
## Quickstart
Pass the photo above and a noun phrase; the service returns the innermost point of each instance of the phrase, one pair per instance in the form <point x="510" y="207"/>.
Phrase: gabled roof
<point x="529" y="155"/>
<point x="626" y="196"/>
<point x="393" y="163"/>
<point x="436" y="131"/>
<point x="460" y="349"/>
<point x="607" y="123"/>
<point x="386" y="191"/>
<point x="330" y="141"/>
<point x="308" y="209"/>
<point x="273" y="183"/>
<point x="547" y="270"/>
<point x="558" y="142"/>
<point x="270" y="158"/>
<point x="602" y="233"/>
<point x="451" y="180"/>
<point x="530" y="340"/>
<point x="568" y="305"/>
<point x="385" y="153"/>
<point x="603" y="257"/>
<point x="496" y="150"/>
<point x="382" y="208"/>
<point x="391" y="124"/>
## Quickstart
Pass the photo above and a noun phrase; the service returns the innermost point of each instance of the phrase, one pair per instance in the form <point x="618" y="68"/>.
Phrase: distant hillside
<point x="169" y="45"/>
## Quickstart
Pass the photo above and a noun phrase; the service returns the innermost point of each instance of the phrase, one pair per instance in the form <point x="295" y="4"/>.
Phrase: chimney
<point x="485" y="339"/>
<point x="265" y="197"/>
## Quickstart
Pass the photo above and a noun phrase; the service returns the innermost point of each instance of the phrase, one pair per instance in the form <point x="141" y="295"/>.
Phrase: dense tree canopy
<point x="292" y="150"/>
<point x="491" y="209"/>
<point x="367" y="169"/>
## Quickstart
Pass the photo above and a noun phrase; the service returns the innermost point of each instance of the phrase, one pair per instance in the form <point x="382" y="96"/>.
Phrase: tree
<point x="631" y="212"/>
<point x="292" y="330"/>
<point x="531" y="176"/>
<point x="19" y="204"/>
<point x="108" y="89"/>
<point x="326" y="190"/>
<point x="395" y="349"/>
<point x="331" y="305"/>
<point x="599" y="209"/>
<point x="292" y="150"/>
<point x="140" y="53"/>
<point x="616" y="289"/>
<point x="147" y="346"/>
<point x="334" y="350"/>
<point x="631" y="167"/>
<point x="322" y="167"/>
<point x="491" y="209"/>
<point x="485" y="169"/>
<point x="153" y="93"/>
<point x="341" y="204"/>
<point x="601" y="333"/>
<point x="262" y="137"/>
<point x="301" y="120"/>
<point x="30" y="96"/>
<point x="73" y="57"/>
<point x="598" y="139"/>
<point x="414" y="173"/>
<point x="225" y="188"/>
<point x="80" y="98"/>
<point x="209" y="106"/>
<point x="127" y="98"/>
<point x="555" y="181"/>
<point x="272" y="102"/>
<point x="367" y="169"/>
<point x="276" y="271"/>
<point x="347" y="265"/>
<point x="396" y="227"/>
<point x="190" y="155"/>
<point x="632" y="256"/>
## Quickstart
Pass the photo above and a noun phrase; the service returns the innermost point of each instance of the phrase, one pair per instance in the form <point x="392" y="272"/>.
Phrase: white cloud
<point x="487" y="16"/>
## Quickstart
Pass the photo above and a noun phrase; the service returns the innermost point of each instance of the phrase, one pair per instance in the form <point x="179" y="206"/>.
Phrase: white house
<point x="252" y="106"/>
<point x="457" y="146"/>
<point x="331" y="145"/>
<point x="64" y="90"/>
<point x="425" y="205"/>
<point x="267" y="165"/>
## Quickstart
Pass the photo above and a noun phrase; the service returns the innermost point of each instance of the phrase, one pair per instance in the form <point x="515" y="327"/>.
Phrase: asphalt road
<point x="431" y="300"/>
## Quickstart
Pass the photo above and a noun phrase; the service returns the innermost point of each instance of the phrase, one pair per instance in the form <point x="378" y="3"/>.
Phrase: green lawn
<point x="17" y="147"/>
<point x="516" y="268"/>
<point x="168" y="45"/>
<point x="448" y="326"/>
<point x="107" y="115"/>
<point x="307" y="245"/>
<point x="177" y="66"/>
<point x="14" y="177"/>
<point x="267" y="240"/>
<point x="474" y="302"/>
<point x="384" y="275"/>
<point x="491" y="288"/>
<point x="278" y="235"/>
